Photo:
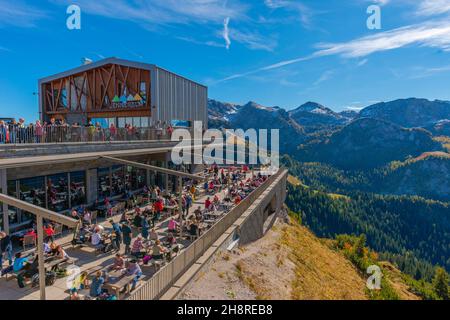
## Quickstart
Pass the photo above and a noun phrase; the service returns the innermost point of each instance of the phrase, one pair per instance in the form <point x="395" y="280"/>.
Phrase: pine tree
<point x="440" y="284"/>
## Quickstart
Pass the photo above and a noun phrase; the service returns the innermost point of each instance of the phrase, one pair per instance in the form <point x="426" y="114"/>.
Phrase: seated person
<point x="171" y="240"/>
<point x="53" y="249"/>
<point x="119" y="262"/>
<point x="137" y="247"/>
<point x="158" y="250"/>
<point x="97" y="285"/>
<point x="153" y="235"/>
<point x="62" y="254"/>
<point x="96" y="240"/>
<point x="87" y="218"/>
<point x="133" y="269"/>
<point x="207" y="203"/>
<point x="193" y="229"/>
<point x="24" y="269"/>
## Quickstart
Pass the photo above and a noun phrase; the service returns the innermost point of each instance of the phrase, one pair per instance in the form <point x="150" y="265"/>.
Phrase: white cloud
<point x="162" y="12"/>
<point x="226" y="32"/>
<point x="19" y="14"/>
<point x="253" y="40"/>
<point x="434" y="34"/>
<point x="433" y="7"/>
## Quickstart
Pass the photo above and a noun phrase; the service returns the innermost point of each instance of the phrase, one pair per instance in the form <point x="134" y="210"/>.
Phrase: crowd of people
<point x="139" y="237"/>
<point x="58" y="130"/>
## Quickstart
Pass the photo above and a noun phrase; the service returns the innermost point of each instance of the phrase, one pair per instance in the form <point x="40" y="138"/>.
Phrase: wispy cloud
<point x="421" y="72"/>
<point x="253" y="39"/>
<point x="433" y="7"/>
<point x="19" y="14"/>
<point x="226" y="32"/>
<point x="303" y="12"/>
<point x="362" y="62"/>
<point x="327" y="75"/>
<point x="434" y="34"/>
<point x="164" y="11"/>
<point x="199" y="42"/>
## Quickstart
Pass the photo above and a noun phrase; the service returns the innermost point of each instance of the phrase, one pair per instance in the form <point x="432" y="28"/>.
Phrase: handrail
<point x="162" y="280"/>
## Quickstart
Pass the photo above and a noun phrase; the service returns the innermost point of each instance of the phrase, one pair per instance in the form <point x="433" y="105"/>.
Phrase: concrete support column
<point x="91" y="185"/>
<point x="4" y="190"/>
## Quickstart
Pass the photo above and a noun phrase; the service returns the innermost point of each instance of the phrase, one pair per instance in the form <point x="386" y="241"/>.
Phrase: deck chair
<point x="29" y="241"/>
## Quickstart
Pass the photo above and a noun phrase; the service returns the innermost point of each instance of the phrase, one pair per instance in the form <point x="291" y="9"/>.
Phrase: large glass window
<point x="103" y="183"/>
<point x="58" y="192"/>
<point x="77" y="188"/>
<point x="32" y="190"/>
<point x="118" y="180"/>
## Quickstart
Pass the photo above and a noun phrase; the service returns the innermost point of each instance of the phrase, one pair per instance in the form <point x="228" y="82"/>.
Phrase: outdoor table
<point x="117" y="280"/>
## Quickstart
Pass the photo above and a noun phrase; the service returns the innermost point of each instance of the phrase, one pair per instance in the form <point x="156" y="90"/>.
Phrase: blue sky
<point x="274" y="52"/>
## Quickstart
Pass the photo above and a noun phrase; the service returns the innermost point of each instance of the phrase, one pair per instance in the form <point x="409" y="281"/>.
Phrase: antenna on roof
<point x="85" y="61"/>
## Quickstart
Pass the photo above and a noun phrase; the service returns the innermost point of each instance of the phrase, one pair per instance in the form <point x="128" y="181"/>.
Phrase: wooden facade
<point x="104" y="92"/>
<point x="115" y="88"/>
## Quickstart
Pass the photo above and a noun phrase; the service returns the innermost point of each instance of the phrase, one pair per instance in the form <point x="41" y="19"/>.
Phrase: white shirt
<point x="95" y="239"/>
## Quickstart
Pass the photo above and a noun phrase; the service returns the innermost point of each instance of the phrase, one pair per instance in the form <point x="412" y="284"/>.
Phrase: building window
<point x="32" y="190"/>
<point x="103" y="183"/>
<point x="58" y="192"/>
<point x="118" y="181"/>
<point x="77" y="188"/>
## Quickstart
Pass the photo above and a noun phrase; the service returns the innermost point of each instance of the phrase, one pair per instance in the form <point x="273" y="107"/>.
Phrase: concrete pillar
<point x="4" y="190"/>
<point x="91" y="185"/>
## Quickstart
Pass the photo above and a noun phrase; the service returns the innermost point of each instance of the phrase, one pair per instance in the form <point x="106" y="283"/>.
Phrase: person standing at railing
<point x="30" y="134"/>
<point x="64" y="131"/>
<point x="21" y="131"/>
<point x="3" y="131"/>
<point x="51" y="130"/>
<point x="39" y="132"/>
<point x="112" y="132"/>
<point x="90" y="130"/>
<point x="159" y="130"/>
<point x="13" y="129"/>
<point x="170" y="131"/>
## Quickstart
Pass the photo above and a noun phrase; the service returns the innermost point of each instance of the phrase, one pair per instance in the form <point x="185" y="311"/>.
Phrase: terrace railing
<point x="67" y="134"/>
<point x="171" y="272"/>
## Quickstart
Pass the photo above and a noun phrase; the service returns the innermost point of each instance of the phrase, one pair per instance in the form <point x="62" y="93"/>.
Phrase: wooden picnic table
<point x="117" y="280"/>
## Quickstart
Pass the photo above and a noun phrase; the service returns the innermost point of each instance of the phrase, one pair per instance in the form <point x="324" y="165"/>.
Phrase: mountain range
<point x="366" y="141"/>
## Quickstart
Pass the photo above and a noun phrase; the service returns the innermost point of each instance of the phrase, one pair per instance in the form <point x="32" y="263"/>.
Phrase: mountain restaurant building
<point x="63" y="176"/>
<point x="122" y="92"/>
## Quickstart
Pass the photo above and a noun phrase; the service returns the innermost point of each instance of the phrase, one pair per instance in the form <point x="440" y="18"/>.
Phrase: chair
<point x="94" y="215"/>
<point x="58" y="230"/>
<point x="29" y="241"/>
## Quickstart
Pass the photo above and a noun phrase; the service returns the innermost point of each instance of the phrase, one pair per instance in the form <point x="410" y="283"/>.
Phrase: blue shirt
<point x="96" y="286"/>
<point x="19" y="263"/>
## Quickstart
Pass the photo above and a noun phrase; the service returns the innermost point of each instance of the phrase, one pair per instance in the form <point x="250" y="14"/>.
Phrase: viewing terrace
<point x="160" y="218"/>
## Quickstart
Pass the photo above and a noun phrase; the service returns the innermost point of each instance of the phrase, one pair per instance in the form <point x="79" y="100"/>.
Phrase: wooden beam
<point x="154" y="168"/>
<point x="107" y="84"/>
<point x="40" y="254"/>
<point x="38" y="211"/>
